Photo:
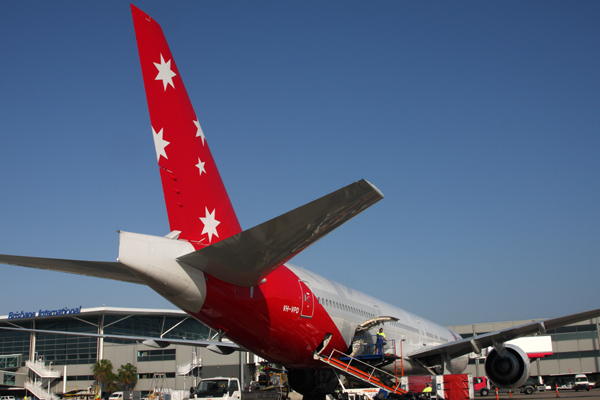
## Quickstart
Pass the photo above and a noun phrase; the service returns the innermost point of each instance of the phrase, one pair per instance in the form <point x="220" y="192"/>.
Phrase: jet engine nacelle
<point x="509" y="370"/>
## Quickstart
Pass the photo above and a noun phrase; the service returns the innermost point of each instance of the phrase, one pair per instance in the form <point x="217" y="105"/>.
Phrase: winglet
<point x="196" y="199"/>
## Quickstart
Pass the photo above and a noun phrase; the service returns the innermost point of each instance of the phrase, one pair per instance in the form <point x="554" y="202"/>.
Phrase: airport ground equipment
<point x="581" y="382"/>
<point x="454" y="387"/>
<point x="481" y="385"/>
<point x="230" y="389"/>
<point x="362" y="371"/>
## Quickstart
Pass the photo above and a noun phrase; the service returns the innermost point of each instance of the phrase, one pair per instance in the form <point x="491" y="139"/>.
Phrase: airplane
<point x="240" y="282"/>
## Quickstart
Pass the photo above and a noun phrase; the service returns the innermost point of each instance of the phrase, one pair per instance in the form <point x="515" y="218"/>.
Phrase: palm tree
<point x="127" y="376"/>
<point x="112" y="384"/>
<point x="102" y="372"/>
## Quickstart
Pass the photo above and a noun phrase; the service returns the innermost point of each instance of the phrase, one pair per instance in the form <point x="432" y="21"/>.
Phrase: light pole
<point x="401" y="357"/>
<point x="49" y="379"/>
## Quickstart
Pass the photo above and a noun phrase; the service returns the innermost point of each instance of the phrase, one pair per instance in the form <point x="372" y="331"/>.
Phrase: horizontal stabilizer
<point x="99" y="269"/>
<point x="247" y="258"/>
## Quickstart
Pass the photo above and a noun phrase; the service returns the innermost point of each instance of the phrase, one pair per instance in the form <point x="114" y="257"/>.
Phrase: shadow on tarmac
<point x="547" y="395"/>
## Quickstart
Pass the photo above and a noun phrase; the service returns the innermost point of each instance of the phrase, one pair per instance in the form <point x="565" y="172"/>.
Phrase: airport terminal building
<point x="48" y="364"/>
<point x="42" y="362"/>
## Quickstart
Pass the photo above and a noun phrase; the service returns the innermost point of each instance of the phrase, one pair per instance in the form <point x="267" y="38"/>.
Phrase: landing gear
<point x="314" y="396"/>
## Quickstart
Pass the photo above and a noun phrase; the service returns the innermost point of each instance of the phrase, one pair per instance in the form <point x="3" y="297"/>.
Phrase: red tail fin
<point x="196" y="199"/>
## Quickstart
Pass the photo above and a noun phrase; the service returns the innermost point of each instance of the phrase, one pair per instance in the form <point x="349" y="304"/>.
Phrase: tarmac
<point x="547" y="395"/>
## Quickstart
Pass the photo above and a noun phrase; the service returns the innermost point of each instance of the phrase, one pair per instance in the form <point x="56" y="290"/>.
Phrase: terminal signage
<point x="44" y="313"/>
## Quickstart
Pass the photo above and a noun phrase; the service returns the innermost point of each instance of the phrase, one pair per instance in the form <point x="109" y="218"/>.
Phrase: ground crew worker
<point x="427" y="390"/>
<point x="380" y="341"/>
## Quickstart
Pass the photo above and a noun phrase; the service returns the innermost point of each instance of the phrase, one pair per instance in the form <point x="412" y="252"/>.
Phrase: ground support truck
<point x="222" y="388"/>
<point x="446" y="387"/>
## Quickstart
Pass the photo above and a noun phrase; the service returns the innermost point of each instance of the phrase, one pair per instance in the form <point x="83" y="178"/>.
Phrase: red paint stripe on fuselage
<point x="267" y="320"/>
<point x="539" y="355"/>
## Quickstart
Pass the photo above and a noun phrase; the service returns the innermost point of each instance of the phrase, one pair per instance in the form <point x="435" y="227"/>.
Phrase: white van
<point x="581" y="382"/>
<point x="116" y="396"/>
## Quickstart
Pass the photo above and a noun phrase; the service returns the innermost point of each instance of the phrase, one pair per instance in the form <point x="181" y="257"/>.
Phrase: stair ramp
<point x="366" y="373"/>
<point x="187" y="368"/>
<point x="39" y="392"/>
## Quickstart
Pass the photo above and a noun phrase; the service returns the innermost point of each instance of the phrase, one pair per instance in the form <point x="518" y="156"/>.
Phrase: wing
<point x="217" y="347"/>
<point x="475" y="344"/>
<point x="99" y="269"/>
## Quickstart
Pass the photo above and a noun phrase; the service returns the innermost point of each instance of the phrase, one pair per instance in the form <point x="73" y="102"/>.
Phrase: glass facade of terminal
<point x="12" y="342"/>
<point x="70" y="350"/>
<point x="166" y="327"/>
<point x="61" y="349"/>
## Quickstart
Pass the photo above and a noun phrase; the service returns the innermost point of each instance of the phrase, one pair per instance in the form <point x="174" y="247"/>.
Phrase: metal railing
<point x="188" y="367"/>
<point x="40" y="369"/>
<point x="39" y="392"/>
<point x="366" y="372"/>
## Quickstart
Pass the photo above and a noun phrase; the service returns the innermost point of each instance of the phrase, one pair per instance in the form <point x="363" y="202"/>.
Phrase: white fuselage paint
<point x="348" y="308"/>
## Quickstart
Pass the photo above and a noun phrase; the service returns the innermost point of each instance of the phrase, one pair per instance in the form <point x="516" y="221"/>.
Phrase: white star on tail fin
<point x="200" y="167"/>
<point x="164" y="72"/>
<point x="210" y="224"/>
<point x="199" y="132"/>
<point x="159" y="144"/>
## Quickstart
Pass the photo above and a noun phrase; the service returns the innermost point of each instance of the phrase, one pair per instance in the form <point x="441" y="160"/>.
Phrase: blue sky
<point x="479" y="121"/>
